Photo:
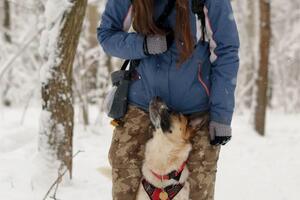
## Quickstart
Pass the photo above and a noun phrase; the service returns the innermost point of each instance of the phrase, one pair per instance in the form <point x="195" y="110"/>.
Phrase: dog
<point x="164" y="168"/>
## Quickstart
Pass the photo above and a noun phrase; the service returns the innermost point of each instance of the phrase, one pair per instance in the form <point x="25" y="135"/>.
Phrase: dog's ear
<point x="186" y="135"/>
<point x="165" y="121"/>
<point x="188" y="131"/>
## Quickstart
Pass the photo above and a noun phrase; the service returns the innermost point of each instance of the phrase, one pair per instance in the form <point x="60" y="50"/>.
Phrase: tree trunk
<point x="57" y="90"/>
<point x="6" y="23"/>
<point x="251" y="27"/>
<point x="105" y="84"/>
<point x="7" y="28"/>
<point x="93" y="18"/>
<point x="262" y="81"/>
<point x="91" y="77"/>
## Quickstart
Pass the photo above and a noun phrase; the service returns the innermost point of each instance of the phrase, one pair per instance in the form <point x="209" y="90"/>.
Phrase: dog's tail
<point x="105" y="171"/>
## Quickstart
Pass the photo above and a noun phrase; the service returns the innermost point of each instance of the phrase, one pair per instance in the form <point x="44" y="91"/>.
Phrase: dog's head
<point x="174" y="125"/>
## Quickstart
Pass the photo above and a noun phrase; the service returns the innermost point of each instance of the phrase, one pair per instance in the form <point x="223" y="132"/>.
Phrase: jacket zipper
<point x="201" y="80"/>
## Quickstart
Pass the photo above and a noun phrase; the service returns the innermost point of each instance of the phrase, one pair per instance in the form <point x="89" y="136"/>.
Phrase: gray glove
<point x="219" y="133"/>
<point x="155" y="44"/>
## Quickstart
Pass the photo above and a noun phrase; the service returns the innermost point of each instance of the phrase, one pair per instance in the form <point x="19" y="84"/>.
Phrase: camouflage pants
<point x="127" y="152"/>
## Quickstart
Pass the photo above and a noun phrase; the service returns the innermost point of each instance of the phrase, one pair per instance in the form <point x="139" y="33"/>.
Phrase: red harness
<point x="172" y="190"/>
<point x="172" y="175"/>
<point x="154" y="192"/>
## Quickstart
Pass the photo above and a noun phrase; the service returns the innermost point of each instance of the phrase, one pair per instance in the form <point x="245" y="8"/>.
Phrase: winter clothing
<point x="155" y="44"/>
<point x="219" y="133"/>
<point x="127" y="149"/>
<point x="205" y="82"/>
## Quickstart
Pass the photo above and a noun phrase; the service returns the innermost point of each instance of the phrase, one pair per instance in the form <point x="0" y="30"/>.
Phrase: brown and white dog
<point x="164" y="169"/>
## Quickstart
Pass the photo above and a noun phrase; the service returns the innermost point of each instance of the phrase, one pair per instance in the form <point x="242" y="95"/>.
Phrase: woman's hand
<point x="157" y="44"/>
<point x="219" y="133"/>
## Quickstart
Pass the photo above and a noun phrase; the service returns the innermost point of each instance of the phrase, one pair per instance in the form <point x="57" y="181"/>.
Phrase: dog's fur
<point x="167" y="150"/>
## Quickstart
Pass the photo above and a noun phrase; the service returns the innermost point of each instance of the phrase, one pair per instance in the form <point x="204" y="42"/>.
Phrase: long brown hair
<point x="143" y="23"/>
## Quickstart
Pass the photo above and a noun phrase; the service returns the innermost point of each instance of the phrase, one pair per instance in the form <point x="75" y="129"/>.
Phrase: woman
<point x="197" y="78"/>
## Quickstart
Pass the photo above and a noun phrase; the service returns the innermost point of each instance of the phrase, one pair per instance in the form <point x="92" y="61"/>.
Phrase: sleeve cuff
<point x="221" y="130"/>
<point x="214" y="116"/>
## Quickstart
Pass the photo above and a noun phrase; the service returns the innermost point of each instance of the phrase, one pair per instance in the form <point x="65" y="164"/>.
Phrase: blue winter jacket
<point x="204" y="82"/>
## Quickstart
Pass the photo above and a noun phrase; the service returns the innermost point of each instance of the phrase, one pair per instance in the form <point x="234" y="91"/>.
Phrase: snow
<point x="44" y="159"/>
<point x="250" y="167"/>
<point x="50" y="50"/>
<point x="49" y="42"/>
<point x="254" y="167"/>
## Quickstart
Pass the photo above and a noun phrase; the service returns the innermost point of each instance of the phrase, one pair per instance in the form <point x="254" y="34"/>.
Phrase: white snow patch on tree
<point x="45" y="166"/>
<point x="54" y="21"/>
<point x="46" y="162"/>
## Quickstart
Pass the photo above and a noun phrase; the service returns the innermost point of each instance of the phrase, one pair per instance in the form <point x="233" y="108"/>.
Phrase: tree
<point x="60" y="43"/>
<point x="262" y="80"/>
<point x="87" y="65"/>
<point x="246" y="13"/>
<point x="6" y="23"/>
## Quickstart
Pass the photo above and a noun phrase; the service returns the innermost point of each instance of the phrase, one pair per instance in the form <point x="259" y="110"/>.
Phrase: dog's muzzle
<point x="159" y="114"/>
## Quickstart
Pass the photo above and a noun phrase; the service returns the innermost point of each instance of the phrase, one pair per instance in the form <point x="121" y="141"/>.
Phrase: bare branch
<point x="59" y="178"/>
<point x="9" y="63"/>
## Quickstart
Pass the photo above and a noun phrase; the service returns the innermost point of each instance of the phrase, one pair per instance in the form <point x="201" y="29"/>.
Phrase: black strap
<point x="167" y="11"/>
<point x="175" y="175"/>
<point x="198" y="9"/>
<point x="125" y="65"/>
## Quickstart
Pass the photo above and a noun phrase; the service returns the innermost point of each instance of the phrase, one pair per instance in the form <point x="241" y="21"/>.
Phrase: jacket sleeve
<point x="114" y="40"/>
<point x="224" y="45"/>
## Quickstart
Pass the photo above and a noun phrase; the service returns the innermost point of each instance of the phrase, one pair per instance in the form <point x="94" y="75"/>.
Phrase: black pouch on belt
<point x="121" y="80"/>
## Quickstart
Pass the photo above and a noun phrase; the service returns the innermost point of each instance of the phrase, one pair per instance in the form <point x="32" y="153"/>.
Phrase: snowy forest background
<point x="250" y="167"/>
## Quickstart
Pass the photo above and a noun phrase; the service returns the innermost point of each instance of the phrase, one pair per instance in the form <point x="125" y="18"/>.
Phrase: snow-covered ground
<point x="250" y="167"/>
